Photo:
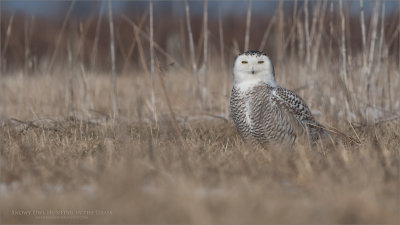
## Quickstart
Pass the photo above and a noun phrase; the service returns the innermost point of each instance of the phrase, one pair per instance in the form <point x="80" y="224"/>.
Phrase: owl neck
<point x="270" y="80"/>
<point x="246" y="84"/>
<point x="250" y="84"/>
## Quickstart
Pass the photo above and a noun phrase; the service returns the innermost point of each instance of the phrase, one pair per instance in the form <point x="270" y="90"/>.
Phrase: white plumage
<point x="264" y="112"/>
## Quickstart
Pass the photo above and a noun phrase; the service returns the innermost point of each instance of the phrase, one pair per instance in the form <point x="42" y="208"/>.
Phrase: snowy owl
<point x="265" y="113"/>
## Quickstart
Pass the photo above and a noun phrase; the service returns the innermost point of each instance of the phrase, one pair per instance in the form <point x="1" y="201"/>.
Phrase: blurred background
<point x="35" y="34"/>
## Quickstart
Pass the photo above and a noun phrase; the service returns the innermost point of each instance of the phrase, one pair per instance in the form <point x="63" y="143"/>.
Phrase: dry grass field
<point x="67" y="158"/>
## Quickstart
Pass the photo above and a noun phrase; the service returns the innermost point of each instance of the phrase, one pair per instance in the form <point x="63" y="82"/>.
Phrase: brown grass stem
<point x="170" y="110"/>
<point x="248" y="24"/>
<point x="381" y="39"/>
<point x="363" y="35"/>
<point x="318" y="37"/>
<point x="7" y="39"/>
<point x="97" y="36"/>
<point x="204" y="67"/>
<point x="133" y="45"/>
<point x="192" y="54"/>
<point x="59" y="38"/>
<point x="307" y="33"/>
<point x="267" y="31"/>
<point x="374" y="22"/>
<point x="143" y="59"/>
<point x="343" y="44"/>
<point x="113" y="72"/>
<point x="280" y="38"/>
<point x="152" y="69"/>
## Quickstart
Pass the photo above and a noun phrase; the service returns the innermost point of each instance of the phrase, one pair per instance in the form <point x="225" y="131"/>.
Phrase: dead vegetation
<point x="142" y="173"/>
<point x="168" y="152"/>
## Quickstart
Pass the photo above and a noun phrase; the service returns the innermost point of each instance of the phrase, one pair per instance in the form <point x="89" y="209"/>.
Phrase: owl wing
<point x="292" y="103"/>
<point x="297" y="110"/>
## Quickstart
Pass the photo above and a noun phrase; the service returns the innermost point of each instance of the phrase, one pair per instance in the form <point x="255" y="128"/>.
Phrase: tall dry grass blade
<point x="32" y="64"/>
<point x="205" y="33"/>
<point x="221" y="40"/>
<point x="192" y="53"/>
<point x="318" y="37"/>
<point x="363" y="36"/>
<point x="226" y="86"/>
<point x="205" y="52"/>
<point x="6" y="41"/>
<point x="93" y="56"/>
<point x="343" y="70"/>
<point x="301" y="38"/>
<point x="292" y="33"/>
<point x="142" y="56"/>
<point x="199" y="46"/>
<point x="381" y="39"/>
<point x="280" y="37"/>
<point x="26" y="43"/>
<point x="330" y="30"/>
<point x="265" y="36"/>
<point x="191" y="42"/>
<point x="60" y="35"/>
<point x="389" y="85"/>
<point x="343" y="44"/>
<point x="113" y="72"/>
<point x="88" y="104"/>
<point x="171" y="111"/>
<point x="315" y="17"/>
<point x="152" y="70"/>
<point x="1" y="74"/>
<point x="70" y="102"/>
<point x="83" y="30"/>
<point x="371" y="52"/>
<point x="248" y="23"/>
<point x="291" y="38"/>
<point x="133" y="45"/>
<point x="236" y="49"/>
<point x="307" y="33"/>
<point x="348" y="36"/>
<point x="393" y="36"/>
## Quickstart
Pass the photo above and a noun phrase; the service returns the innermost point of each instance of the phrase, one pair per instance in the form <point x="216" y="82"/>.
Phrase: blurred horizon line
<point x="82" y="9"/>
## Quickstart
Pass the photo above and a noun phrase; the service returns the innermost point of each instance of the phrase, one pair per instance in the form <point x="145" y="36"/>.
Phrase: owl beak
<point x="252" y="70"/>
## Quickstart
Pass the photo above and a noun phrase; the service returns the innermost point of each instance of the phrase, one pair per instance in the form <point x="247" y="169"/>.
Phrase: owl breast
<point x="259" y="119"/>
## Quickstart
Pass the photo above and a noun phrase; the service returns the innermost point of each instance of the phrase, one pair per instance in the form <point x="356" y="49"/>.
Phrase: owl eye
<point x="260" y="62"/>
<point x="244" y="62"/>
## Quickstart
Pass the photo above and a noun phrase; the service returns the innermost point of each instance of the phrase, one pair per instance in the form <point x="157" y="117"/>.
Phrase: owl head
<point x="252" y="67"/>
